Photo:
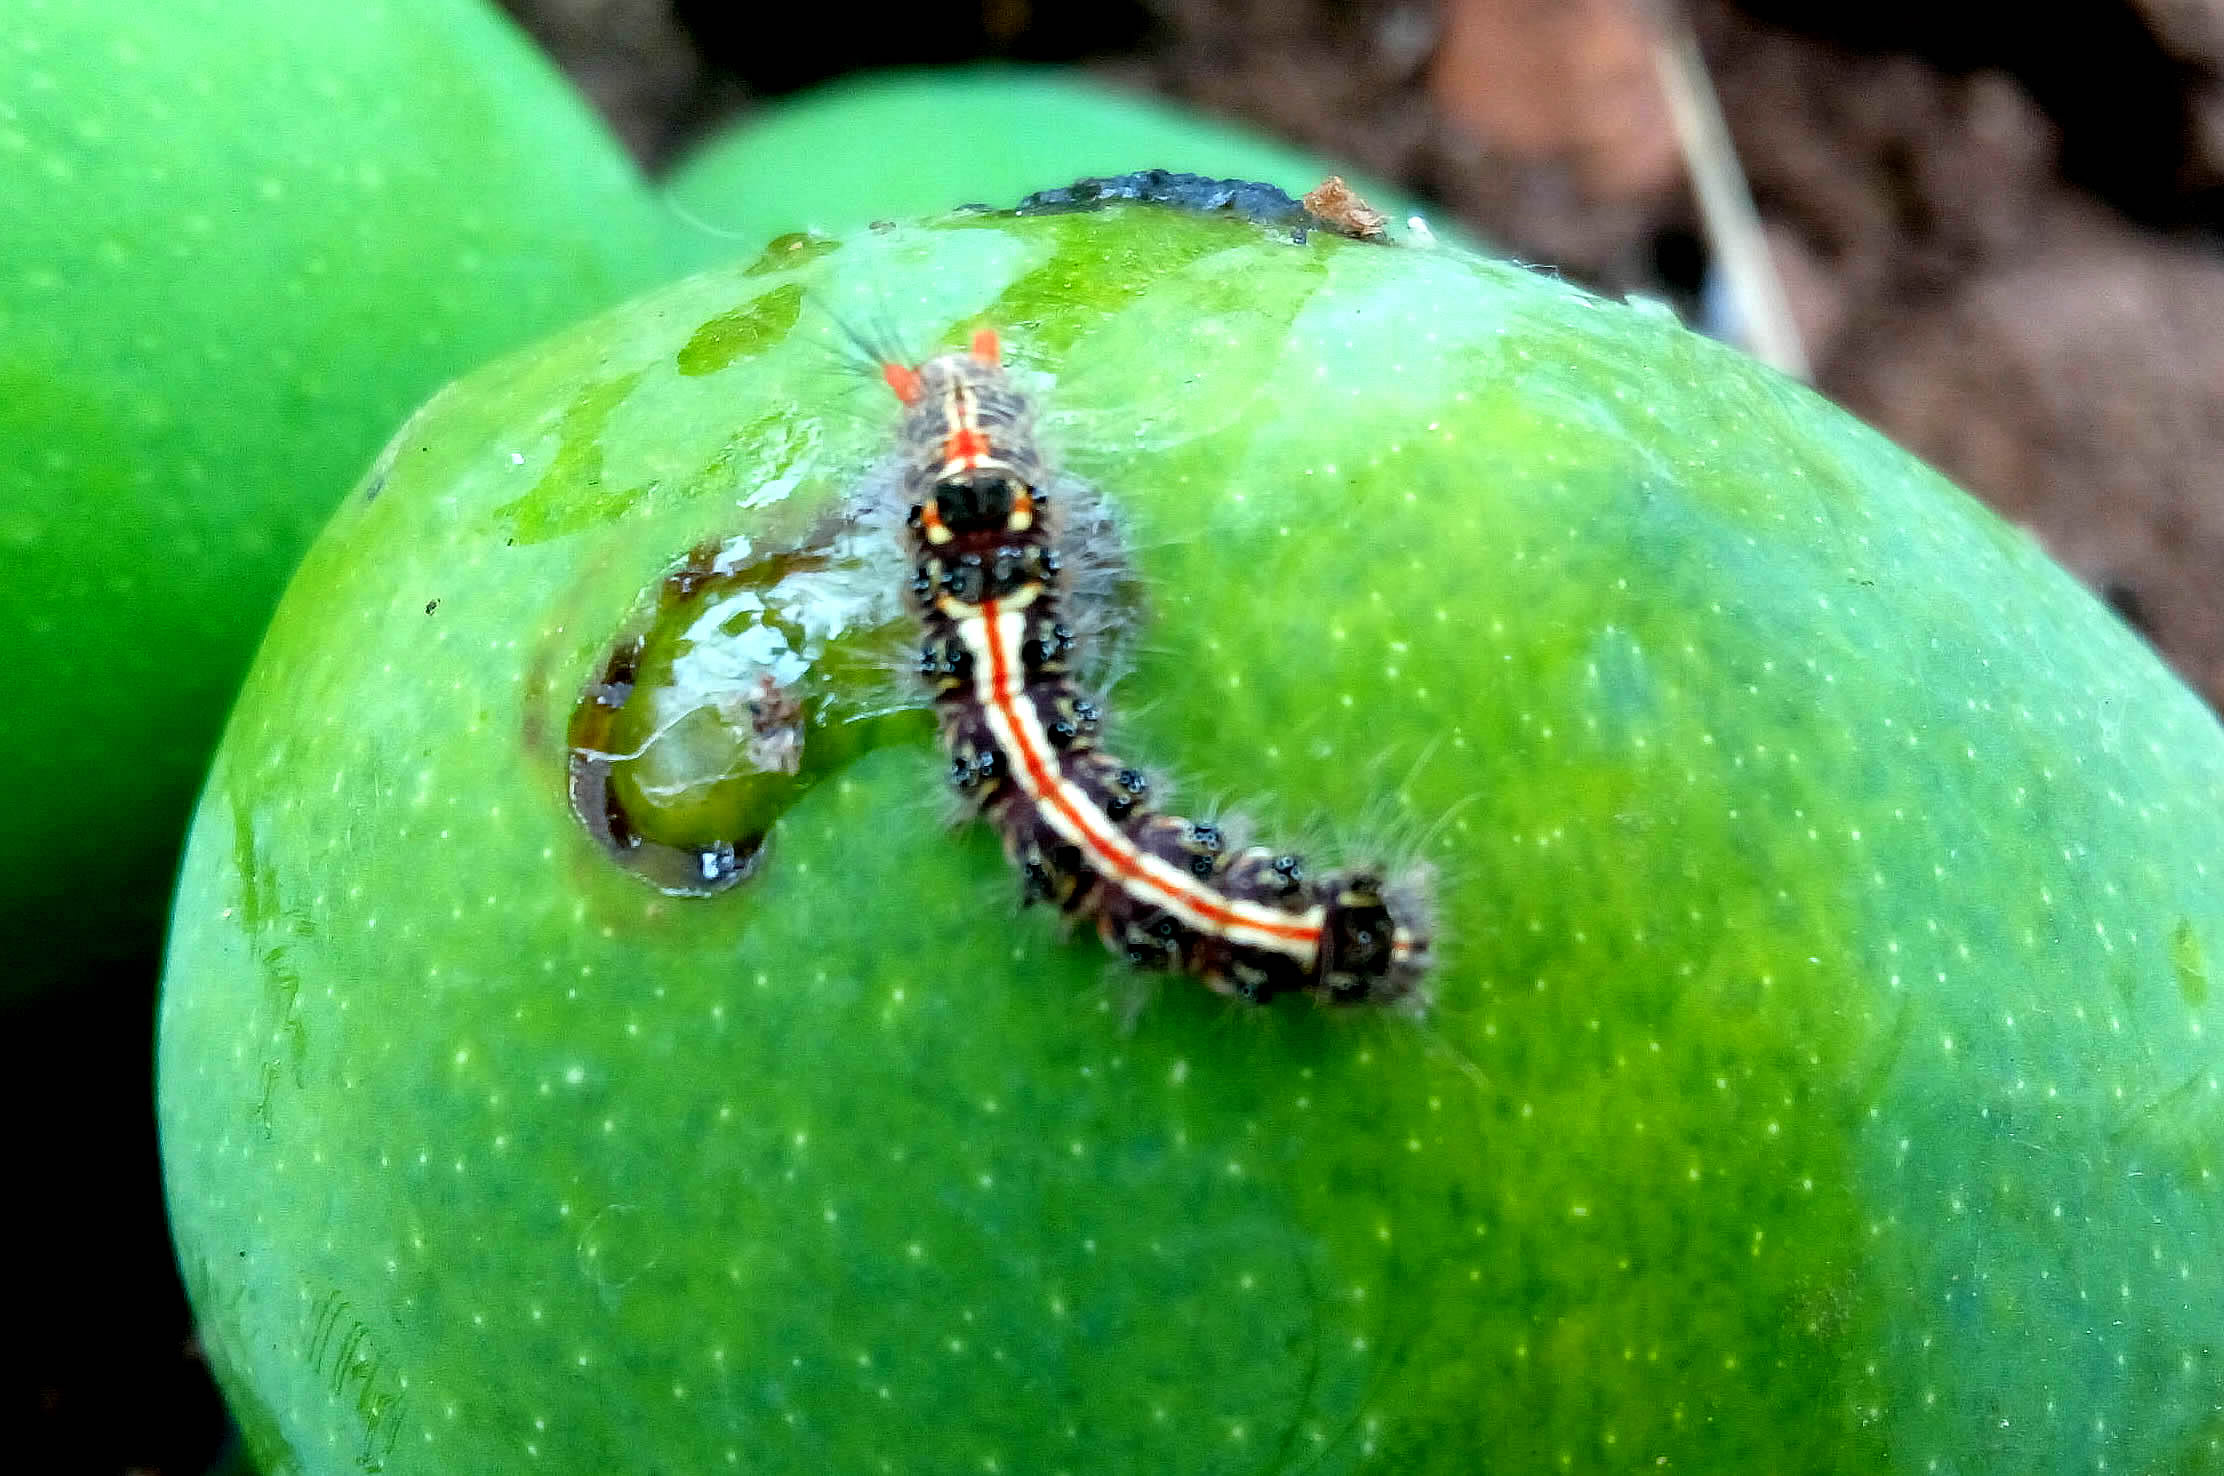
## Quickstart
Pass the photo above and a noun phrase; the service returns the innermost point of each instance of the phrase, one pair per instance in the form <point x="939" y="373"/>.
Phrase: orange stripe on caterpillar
<point x="965" y="447"/>
<point x="1107" y="845"/>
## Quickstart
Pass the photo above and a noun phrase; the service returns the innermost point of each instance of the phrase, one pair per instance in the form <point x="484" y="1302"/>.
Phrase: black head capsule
<point x="975" y="501"/>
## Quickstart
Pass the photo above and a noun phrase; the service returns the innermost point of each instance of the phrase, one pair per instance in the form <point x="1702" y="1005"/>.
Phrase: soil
<point x="2002" y="241"/>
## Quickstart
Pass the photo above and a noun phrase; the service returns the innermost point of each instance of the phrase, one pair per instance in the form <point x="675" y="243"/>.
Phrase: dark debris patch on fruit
<point x="1343" y="212"/>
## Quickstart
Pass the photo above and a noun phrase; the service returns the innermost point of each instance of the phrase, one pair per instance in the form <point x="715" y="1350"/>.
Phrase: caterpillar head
<point x="969" y="445"/>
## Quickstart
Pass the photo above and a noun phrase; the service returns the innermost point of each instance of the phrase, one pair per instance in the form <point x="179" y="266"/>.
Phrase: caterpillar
<point x="1166" y="893"/>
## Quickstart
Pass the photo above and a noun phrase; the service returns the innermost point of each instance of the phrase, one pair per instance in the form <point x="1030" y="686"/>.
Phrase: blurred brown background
<point x="1997" y="224"/>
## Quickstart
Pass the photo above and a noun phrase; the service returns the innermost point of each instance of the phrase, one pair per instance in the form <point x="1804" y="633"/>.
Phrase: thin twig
<point x="1725" y="200"/>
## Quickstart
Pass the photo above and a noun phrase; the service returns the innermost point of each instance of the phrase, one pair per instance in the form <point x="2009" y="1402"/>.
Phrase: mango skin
<point x="1823" y="1075"/>
<point x="240" y="241"/>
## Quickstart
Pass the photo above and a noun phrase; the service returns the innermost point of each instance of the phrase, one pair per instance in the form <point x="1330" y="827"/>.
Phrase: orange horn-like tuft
<point x="903" y="380"/>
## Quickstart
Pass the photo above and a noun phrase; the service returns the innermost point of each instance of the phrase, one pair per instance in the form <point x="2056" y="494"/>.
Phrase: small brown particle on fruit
<point x="1338" y="207"/>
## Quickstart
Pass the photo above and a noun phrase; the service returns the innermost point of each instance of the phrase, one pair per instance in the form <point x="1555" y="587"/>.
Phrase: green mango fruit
<point x="890" y="145"/>
<point x="241" y="241"/>
<point x="1827" y="892"/>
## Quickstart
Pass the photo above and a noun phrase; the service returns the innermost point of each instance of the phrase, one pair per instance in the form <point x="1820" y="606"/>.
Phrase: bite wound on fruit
<point x="752" y="678"/>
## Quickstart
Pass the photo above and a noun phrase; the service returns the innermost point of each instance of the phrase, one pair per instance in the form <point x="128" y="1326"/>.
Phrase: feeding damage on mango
<point x="745" y="679"/>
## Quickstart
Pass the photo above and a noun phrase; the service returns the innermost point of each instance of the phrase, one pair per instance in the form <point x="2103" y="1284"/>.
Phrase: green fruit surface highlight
<point x="238" y="242"/>
<point x="1822" y="1075"/>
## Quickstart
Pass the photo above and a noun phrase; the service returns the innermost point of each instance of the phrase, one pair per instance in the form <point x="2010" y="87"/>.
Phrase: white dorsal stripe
<point x="999" y="683"/>
<point x="964" y="416"/>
